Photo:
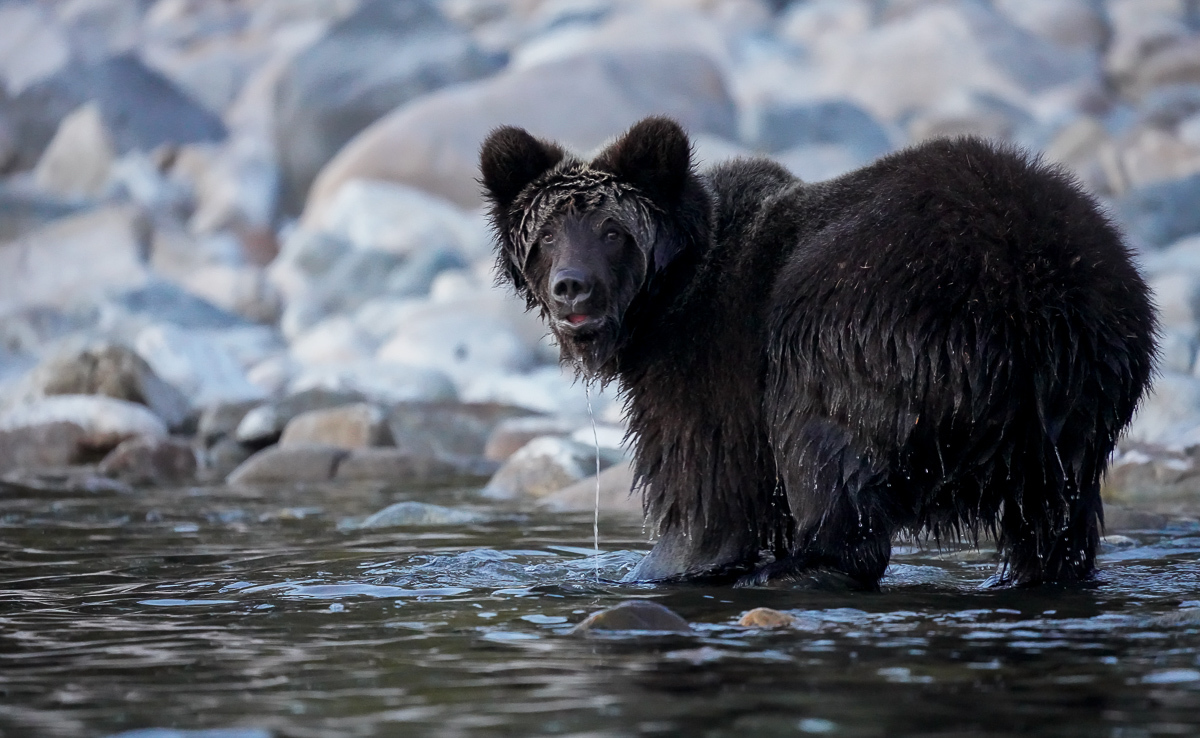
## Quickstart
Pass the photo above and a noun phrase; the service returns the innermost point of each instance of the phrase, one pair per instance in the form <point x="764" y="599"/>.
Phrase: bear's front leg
<point x="703" y="556"/>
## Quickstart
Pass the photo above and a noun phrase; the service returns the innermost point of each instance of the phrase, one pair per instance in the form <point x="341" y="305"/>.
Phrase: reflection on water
<point x="270" y="614"/>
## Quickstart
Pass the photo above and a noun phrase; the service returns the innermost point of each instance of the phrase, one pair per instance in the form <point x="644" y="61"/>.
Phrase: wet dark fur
<point x="948" y="340"/>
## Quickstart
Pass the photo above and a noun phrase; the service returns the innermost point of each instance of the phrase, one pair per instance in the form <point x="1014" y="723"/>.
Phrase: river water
<point x="223" y="613"/>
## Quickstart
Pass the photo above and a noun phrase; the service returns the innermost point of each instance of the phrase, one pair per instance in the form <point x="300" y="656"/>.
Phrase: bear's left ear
<point x="510" y="159"/>
<point x="655" y="155"/>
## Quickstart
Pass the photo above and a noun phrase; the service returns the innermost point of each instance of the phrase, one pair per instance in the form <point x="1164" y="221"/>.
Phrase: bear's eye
<point x="612" y="235"/>
<point x="547" y="237"/>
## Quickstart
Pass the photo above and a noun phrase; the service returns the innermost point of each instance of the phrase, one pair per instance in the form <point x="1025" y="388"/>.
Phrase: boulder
<point x="543" y="466"/>
<point x="403" y="514"/>
<point x="433" y="143"/>
<point x="1075" y="24"/>
<point x="277" y="465"/>
<point x="448" y="429"/>
<point x="151" y="462"/>
<point x="382" y="55"/>
<point x="105" y="421"/>
<point x="74" y="257"/>
<point x="265" y="423"/>
<point x="1168" y="411"/>
<point x="241" y="290"/>
<point x="405" y="468"/>
<point x="220" y="420"/>
<point x="349" y="426"/>
<point x="616" y="494"/>
<point x="396" y="218"/>
<point x="199" y="363"/>
<point x="32" y="45"/>
<point x="221" y="459"/>
<point x="110" y="370"/>
<point x="781" y="126"/>
<point x="635" y="615"/>
<point x="511" y="434"/>
<point x="335" y="341"/>
<point x="49" y="445"/>
<point x="78" y="159"/>
<point x="1142" y="473"/>
<point x="1161" y="213"/>
<point x="385" y="384"/>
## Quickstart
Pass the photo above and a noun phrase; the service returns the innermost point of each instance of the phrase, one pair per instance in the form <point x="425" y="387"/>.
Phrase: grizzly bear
<point x="943" y="343"/>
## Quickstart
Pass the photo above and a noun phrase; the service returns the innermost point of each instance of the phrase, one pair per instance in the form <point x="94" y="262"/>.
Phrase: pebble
<point x="766" y="618"/>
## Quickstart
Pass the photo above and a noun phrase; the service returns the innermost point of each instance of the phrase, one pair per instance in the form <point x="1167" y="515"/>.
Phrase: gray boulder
<point x="543" y="466"/>
<point x="151" y="462"/>
<point x="1162" y="213"/>
<point x="448" y="429"/>
<point x="353" y="426"/>
<point x="105" y="421"/>
<point x="265" y="423"/>
<point x="296" y="464"/>
<point x="635" y="615"/>
<point x="401" y="467"/>
<point x="48" y="445"/>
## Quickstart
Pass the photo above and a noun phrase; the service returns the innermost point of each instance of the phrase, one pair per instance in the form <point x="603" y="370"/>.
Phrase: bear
<point x="943" y="343"/>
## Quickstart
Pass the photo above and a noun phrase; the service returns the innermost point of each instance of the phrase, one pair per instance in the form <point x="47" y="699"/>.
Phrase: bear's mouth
<point x="577" y="323"/>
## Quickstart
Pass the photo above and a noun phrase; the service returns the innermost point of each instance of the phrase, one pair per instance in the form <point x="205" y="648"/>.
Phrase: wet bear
<point x="945" y="342"/>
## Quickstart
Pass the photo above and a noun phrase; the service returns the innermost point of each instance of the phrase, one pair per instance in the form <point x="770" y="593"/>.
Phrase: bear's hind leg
<point x="1043" y="546"/>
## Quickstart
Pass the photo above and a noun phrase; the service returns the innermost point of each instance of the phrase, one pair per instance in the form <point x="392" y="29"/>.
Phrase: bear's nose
<point x="570" y="285"/>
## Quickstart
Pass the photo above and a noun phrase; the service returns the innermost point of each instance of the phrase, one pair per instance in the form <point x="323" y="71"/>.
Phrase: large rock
<point x="151" y="462"/>
<point x="74" y="257"/>
<point x="48" y="445"/>
<point x="543" y="466"/>
<point x="141" y="109"/>
<point x="110" y="370"/>
<point x="202" y="365"/>
<point x="32" y="45"/>
<point x="616" y="494"/>
<point x="384" y="54"/>
<point x="635" y="615"/>
<point x="782" y="126"/>
<point x="510" y="435"/>
<point x="77" y="161"/>
<point x="433" y="143"/>
<point x="396" y="218"/>
<point x="1164" y="212"/>
<point x="264" y="424"/>
<point x="220" y="420"/>
<point x="1143" y="473"/>
<point x="277" y="465"/>
<point x="1168" y="412"/>
<point x="386" y="384"/>
<point x="350" y="426"/>
<point x="402" y="467"/>
<point x="448" y="429"/>
<point x="105" y="421"/>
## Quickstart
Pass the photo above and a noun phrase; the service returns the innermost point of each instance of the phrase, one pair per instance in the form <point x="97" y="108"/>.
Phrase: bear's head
<point x="583" y="241"/>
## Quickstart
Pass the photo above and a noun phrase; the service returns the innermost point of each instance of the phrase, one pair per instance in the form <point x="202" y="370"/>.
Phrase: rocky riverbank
<point x="243" y="242"/>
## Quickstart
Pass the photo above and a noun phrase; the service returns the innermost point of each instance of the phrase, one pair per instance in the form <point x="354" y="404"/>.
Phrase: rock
<point x="402" y="467"/>
<point x="222" y="458"/>
<point x="1168" y="410"/>
<point x="1182" y="256"/>
<point x="382" y="55"/>
<point x="1177" y="350"/>
<point x="766" y="618"/>
<point x="385" y="384"/>
<point x="616" y="494"/>
<point x="151" y="462"/>
<point x="74" y="257"/>
<point x="548" y="389"/>
<point x="335" y="341"/>
<point x="32" y="46"/>
<point x="783" y="126"/>
<point x="212" y="72"/>
<point x="241" y="290"/>
<point x="1173" y="64"/>
<point x="141" y="109"/>
<point x="220" y="420"/>
<point x="48" y="445"/>
<point x="971" y="114"/>
<point x="542" y="466"/>
<point x="159" y="302"/>
<point x="433" y="143"/>
<point x="1076" y="24"/>
<point x="419" y="513"/>
<point x="820" y="162"/>
<point x="24" y="211"/>
<point x="1150" y="156"/>
<point x="1146" y="473"/>
<point x="1162" y="213"/>
<point x="304" y="256"/>
<point x="448" y="428"/>
<point x="396" y="218"/>
<point x="264" y="424"/>
<point x="637" y="615"/>
<point x="110" y="370"/>
<point x="348" y="426"/>
<point x="78" y="159"/>
<point x="510" y="435"/>
<point x="105" y="421"/>
<point x="1177" y="297"/>
<point x="277" y="465"/>
<point x="200" y="364"/>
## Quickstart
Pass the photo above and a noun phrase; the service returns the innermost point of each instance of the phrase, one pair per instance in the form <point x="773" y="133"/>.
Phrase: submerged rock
<point x="265" y="424"/>
<point x="419" y="513"/>
<point x="766" y="618"/>
<point x="635" y="615"/>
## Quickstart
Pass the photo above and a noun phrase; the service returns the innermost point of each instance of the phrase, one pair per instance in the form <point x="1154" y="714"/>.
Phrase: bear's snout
<point x="570" y="287"/>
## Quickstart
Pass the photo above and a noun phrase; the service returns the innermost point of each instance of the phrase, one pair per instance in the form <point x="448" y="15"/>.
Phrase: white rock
<point x="542" y="466"/>
<point x="386" y="384"/>
<point x="393" y="217"/>
<point x="198" y="365"/>
<point x="334" y="341"/>
<point x="77" y="161"/>
<point x="242" y="290"/>
<point x="74" y="257"/>
<point x="1176" y="350"/>
<point x="1170" y="409"/>
<point x="106" y="421"/>
<point x="1177" y="296"/>
<point x="549" y="389"/>
<point x="32" y="46"/>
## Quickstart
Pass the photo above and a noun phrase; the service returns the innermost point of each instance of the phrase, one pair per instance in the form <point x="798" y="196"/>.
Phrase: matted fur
<point x="948" y="340"/>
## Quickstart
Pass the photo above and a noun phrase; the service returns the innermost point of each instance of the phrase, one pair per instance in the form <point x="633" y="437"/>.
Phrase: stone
<point x="448" y="428"/>
<point x="1181" y="256"/>
<point x="552" y="390"/>
<point x="1076" y="24"/>
<point x="24" y="210"/>
<point x="971" y="114"/>
<point x="382" y="55"/>
<point x="386" y="384"/>
<point x="616" y="494"/>
<point x="74" y="257"/>
<point x="151" y="462"/>
<point x="1168" y="411"/>
<point x="32" y="46"/>
<point x="265" y="423"/>
<point x="1142" y="473"/>
<point x="199" y="363"/>
<point x="49" y="445"/>
<point x="221" y="459"/>
<point x="1150" y="156"/>
<point x="142" y="110"/>
<point x="542" y="466"/>
<point x="241" y="290"/>
<point x="296" y="464"/>
<point x="335" y="341"/>
<point x="1177" y="297"/>
<point x="212" y="72"/>
<point x="164" y="303"/>
<point x="1162" y="213"/>
<point x="220" y="420"/>
<point x="406" y="468"/>
<point x="783" y="126"/>
<point x="396" y="218"/>
<point x="634" y="615"/>
<point x="1177" y="350"/>
<point x="404" y="514"/>
<point x="765" y="618"/>
<point x="111" y="370"/>
<point x="820" y="162"/>
<point x="78" y="159"/>
<point x="511" y="434"/>
<point x="105" y="421"/>
<point x="1173" y="64"/>
<point x="433" y="142"/>
<point x="304" y="256"/>
<point x="349" y="426"/>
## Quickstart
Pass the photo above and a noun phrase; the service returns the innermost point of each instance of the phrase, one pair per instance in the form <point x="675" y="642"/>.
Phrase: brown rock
<point x="543" y="466"/>
<point x="41" y="446"/>
<point x="449" y="428"/>
<point x="765" y="617"/>
<point x="277" y="465"/>
<point x="510" y="435"/>
<point x="147" y="462"/>
<point x="350" y="426"/>
<point x="402" y="466"/>
<point x="616" y="496"/>
<point x="635" y="615"/>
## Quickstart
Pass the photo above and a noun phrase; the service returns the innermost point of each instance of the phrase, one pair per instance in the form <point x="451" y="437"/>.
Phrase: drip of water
<point x="596" y="512"/>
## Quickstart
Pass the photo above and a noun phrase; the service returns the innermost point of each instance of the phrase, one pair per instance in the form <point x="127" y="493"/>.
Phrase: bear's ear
<point x="655" y="155"/>
<point x="510" y="159"/>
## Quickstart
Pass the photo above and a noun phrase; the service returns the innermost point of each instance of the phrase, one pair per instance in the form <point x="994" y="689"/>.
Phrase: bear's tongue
<point x="576" y="319"/>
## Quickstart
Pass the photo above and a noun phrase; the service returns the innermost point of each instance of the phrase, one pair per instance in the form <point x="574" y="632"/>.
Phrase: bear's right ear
<point x="510" y="159"/>
<point x="655" y="155"/>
